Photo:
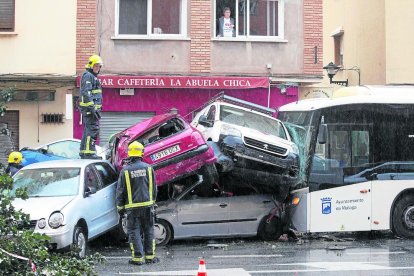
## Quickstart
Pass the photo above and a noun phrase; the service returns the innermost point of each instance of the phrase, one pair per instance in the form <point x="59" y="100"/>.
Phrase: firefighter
<point x="90" y="105"/>
<point x="135" y="194"/>
<point x="15" y="163"/>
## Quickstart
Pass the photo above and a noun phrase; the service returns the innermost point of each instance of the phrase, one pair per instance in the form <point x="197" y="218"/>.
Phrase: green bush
<point x="32" y="246"/>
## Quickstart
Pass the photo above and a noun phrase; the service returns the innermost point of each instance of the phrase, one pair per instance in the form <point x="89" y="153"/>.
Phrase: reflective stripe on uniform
<point x="152" y="256"/>
<point x="82" y="103"/>
<point x="88" y="151"/>
<point x="129" y="191"/>
<point x="150" y="182"/>
<point x="128" y="184"/>
<point x="120" y="208"/>
<point x="96" y="91"/>
<point x="98" y="106"/>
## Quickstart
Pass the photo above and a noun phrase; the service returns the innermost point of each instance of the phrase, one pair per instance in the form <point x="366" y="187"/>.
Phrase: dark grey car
<point x="193" y="213"/>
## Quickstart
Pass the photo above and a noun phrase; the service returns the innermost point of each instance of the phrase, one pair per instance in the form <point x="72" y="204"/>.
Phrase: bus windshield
<point x="299" y="125"/>
<point x="364" y="142"/>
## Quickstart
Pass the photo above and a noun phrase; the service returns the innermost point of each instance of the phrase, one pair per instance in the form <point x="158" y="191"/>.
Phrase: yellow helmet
<point x="15" y="157"/>
<point x="94" y="59"/>
<point x="135" y="149"/>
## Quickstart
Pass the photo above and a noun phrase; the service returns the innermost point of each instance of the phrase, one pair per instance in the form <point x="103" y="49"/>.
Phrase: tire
<point x="80" y="241"/>
<point x="403" y="217"/>
<point x="162" y="232"/>
<point x="270" y="231"/>
<point x="120" y="233"/>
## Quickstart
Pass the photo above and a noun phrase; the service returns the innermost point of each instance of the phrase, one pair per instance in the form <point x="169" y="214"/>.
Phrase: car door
<point x="203" y="216"/>
<point x="92" y="203"/>
<point x="108" y="179"/>
<point x="246" y="212"/>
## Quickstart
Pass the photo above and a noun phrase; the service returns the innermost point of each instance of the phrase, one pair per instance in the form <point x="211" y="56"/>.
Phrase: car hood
<point x="41" y="207"/>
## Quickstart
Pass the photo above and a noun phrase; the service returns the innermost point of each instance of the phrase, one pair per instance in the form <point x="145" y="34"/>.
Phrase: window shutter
<point x="7" y="15"/>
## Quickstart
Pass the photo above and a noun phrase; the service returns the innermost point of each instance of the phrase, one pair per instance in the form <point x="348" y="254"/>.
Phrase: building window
<point x="151" y="17"/>
<point x="338" y="45"/>
<point x="6" y="15"/>
<point x="252" y="18"/>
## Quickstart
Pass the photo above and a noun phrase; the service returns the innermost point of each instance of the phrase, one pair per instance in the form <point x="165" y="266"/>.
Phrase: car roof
<point x="375" y="94"/>
<point x="67" y="163"/>
<point x="145" y="125"/>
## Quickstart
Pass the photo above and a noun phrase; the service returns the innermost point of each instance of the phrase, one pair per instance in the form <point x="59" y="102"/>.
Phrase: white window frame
<point x="281" y="23"/>
<point x="150" y="35"/>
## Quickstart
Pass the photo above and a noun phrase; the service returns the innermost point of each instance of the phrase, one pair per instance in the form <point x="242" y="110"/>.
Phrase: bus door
<point x="341" y="196"/>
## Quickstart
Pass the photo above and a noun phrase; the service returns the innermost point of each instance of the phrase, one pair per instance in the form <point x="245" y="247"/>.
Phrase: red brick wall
<point x="85" y="32"/>
<point x="312" y="27"/>
<point x="200" y="33"/>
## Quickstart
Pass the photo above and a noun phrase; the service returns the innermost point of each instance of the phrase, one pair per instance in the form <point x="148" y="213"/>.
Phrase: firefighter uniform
<point x="90" y="105"/>
<point x="15" y="163"/>
<point x="136" y="193"/>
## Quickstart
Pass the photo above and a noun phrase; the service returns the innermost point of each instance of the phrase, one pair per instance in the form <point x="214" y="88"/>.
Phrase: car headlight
<point x="56" y="220"/>
<point x="295" y="149"/>
<point x="228" y="130"/>
<point x="41" y="223"/>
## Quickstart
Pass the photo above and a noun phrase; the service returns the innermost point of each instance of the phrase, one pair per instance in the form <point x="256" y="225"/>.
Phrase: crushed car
<point x="252" y="147"/>
<point x="189" y="214"/>
<point x="57" y="150"/>
<point x="175" y="149"/>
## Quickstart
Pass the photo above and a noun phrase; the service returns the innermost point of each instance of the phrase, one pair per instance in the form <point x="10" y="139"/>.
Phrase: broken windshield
<point x="251" y="120"/>
<point x="300" y="129"/>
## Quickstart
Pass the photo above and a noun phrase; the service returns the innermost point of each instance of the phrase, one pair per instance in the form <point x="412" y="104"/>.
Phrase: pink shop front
<point x="130" y="99"/>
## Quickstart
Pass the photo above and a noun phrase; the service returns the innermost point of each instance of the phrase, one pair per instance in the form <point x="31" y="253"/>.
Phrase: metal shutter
<point x="114" y="122"/>
<point x="9" y="134"/>
<point x="6" y="15"/>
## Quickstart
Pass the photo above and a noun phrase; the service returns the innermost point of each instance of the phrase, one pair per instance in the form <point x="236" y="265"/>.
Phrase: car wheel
<point x="79" y="242"/>
<point x="403" y="217"/>
<point x="162" y="232"/>
<point x="120" y="233"/>
<point x="270" y="230"/>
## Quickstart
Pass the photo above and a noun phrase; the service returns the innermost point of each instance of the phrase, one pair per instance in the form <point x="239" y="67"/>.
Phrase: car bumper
<point x="184" y="164"/>
<point x="61" y="237"/>
<point x="275" y="174"/>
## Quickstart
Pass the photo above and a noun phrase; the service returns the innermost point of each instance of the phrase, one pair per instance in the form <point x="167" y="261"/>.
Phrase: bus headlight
<point x="41" y="223"/>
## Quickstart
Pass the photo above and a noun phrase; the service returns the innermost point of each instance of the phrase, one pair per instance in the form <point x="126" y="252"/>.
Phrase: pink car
<point x="173" y="147"/>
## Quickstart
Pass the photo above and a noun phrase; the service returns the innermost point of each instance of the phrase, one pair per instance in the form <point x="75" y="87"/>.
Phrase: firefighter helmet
<point x="94" y="59"/>
<point x="135" y="149"/>
<point x="15" y="157"/>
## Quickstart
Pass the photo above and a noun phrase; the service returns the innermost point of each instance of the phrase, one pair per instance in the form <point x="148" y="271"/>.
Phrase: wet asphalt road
<point x="346" y="254"/>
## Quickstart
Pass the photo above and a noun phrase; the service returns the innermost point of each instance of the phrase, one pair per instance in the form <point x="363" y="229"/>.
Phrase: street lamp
<point x="332" y="69"/>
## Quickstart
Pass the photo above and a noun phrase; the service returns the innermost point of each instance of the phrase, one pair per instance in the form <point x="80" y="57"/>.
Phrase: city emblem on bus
<point x="326" y="205"/>
<point x="266" y="146"/>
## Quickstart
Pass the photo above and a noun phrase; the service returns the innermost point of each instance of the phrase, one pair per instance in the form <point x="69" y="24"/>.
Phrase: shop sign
<point x="181" y="82"/>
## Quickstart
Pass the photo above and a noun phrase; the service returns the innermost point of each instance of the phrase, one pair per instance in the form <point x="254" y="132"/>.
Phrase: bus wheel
<point x="403" y="217"/>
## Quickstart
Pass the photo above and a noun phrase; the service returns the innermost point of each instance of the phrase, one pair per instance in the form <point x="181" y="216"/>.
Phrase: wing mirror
<point x="89" y="191"/>
<point x="204" y="122"/>
<point x="323" y="134"/>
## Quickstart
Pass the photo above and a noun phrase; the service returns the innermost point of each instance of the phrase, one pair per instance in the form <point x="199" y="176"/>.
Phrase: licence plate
<point x="165" y="152"/>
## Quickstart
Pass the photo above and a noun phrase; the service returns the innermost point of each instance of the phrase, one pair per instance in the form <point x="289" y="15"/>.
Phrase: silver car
<point x="193" y="213"/>
<point x="71" y="201"/>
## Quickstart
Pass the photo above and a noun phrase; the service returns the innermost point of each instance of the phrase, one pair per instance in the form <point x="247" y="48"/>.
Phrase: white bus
<point x="356" y="160"/>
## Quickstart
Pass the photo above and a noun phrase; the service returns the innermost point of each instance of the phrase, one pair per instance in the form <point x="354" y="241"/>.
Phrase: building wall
<point x="363" y="39"/>
<point x="40" y="55"/>
<point x="33" y="132"/>
<point x="399" y="21"/>
<point x="201" y="54"/>
<point x="44" y="39"/>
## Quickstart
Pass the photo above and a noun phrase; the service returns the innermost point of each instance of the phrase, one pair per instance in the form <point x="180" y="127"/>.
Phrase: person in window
<point x="15" y="163"/>
<point x="90" y="105"/>
<point x="136" y="192"/>
<point x="225" y="25"/>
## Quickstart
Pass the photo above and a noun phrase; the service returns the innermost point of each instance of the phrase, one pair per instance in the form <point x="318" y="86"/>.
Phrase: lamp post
<point x="332" y="69"/>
